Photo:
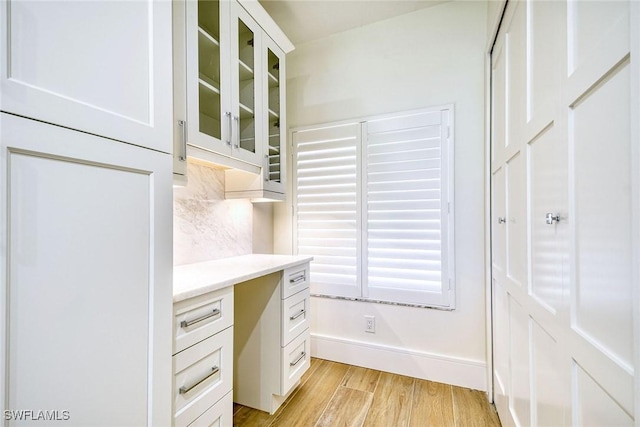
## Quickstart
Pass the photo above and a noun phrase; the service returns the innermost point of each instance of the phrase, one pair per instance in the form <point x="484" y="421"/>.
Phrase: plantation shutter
<point x="406" y="214"/>
<point x="373" y="202"/>
<point x="326" y="200"/>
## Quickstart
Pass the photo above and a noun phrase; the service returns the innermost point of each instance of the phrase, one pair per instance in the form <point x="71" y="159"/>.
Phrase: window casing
<point x="373" y="203"/>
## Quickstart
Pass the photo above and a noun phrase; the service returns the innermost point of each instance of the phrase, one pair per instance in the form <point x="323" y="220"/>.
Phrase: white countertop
<point x="191" y="280"/>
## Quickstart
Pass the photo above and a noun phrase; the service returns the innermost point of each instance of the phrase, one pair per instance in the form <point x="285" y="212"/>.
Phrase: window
<point x="374" y="205"/>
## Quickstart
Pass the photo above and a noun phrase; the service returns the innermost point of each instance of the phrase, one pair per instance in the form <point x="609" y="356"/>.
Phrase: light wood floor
<point x="333" y="394"/>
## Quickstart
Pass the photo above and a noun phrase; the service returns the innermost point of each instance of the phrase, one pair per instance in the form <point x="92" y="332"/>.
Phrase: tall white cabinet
<point x="85" y="213"/>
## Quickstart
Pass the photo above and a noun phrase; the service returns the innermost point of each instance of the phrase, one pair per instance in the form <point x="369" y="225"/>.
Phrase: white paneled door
<point x="562" y="214"/>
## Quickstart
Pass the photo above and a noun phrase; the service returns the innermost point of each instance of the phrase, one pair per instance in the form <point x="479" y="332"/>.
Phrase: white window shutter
<point x="326" y="197"/>
<point x="374" y="204"/>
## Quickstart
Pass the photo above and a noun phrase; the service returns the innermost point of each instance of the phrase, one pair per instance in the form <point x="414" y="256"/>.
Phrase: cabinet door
<point x="246" y="66"/>
<point x="208" y="80"/>
<point x="275" y="125"/>
<point x="102" y="67"/>
<point x="85" y="323"/>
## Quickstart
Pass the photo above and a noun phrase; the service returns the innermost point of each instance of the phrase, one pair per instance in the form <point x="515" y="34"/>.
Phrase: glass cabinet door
<point x="274" y="164"/>
<point x="246" y="110"/>
<point x="209" y="100"/>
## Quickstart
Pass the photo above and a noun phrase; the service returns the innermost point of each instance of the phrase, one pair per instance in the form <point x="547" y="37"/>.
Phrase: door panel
<point x="550" y="401"/>
<point x="603" y="292"/>
<point x="548" y="186"/>
<point x="516" y="220"/>
<point x="519" y="339"/>
<point x="102" y="67"/>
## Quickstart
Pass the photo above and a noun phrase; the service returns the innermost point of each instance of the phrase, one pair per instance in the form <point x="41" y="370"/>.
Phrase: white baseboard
<point x="433" y="367"/>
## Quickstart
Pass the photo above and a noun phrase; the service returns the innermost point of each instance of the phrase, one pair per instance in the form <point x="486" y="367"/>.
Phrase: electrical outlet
<point x="370" y="324"/>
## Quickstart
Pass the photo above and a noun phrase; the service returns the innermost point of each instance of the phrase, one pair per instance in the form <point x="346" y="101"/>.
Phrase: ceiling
<point x="307" y="20"/>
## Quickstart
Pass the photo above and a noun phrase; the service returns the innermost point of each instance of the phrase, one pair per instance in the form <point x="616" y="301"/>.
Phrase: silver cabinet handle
<point x="502" y="220"/>
<point x="298" y="314"/>
<point x="267" y="171"/>
<point x="297" y="279"/>
<point x="551" y="218"/>
<point x="236" y="119"/>
<point x="295" y="362"/>
<point x="183" y="125"/>
<point x="184" y="390"/>
<point x="187" y="323"/>
<point x="230" y="133"/>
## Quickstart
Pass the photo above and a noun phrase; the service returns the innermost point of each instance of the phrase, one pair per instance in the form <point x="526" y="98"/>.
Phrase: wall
<point x="208" y="227"/>
<point x="430" y="57"/>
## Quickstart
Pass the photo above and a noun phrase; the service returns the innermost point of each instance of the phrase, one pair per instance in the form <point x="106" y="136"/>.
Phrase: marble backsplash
<point x="205" y="225"/>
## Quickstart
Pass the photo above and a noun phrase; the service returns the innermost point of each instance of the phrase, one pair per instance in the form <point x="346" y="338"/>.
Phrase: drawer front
<point x="203" y="374"/>
<point x="219" y="415"/>
<point x="295" y="316"/>
<point x="295" y="279"/>
<point x="199" y="318"/>
<point x="295" y="359"/>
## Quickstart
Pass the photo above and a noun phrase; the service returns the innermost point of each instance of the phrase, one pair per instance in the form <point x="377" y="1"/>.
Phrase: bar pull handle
<point x="297" y="279"/>
<point x="298" y="359"/>
<point x="183" y="125"/>
<point x="185" y="390"/>
<point x="236" y="119"/>
<point x="230" y="133"/>
<point x="298" y="314"/>
<point x="188" y="323"/>
<point x="267" y="170"/>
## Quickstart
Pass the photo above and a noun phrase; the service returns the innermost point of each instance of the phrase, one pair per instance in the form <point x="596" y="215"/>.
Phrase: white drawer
<point x="203" y="374"/>
<point x="199" y="318"/>
<point x="295" y="316"/>
<point x="295" y="359"/>
<point x="295" y="279"/>
<point x="219" y="415"/>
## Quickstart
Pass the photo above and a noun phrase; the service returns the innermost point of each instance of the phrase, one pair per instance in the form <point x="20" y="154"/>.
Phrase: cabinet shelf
<point x="273" y="114"/>
<point x="245" y="111"/>
<point x="209" y="83"/>
<point x="273" y="80"/>
<point x="246" y="72"/>
<point x="208" y="36"/>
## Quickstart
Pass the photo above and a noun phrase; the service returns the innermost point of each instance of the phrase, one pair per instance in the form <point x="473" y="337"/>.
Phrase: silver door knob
<point x="502" y="220"/>
<point x="552" y="219"/>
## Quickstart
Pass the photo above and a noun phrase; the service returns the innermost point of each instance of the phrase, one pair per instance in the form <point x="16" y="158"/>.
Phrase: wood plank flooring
<point x="333" y="394"/>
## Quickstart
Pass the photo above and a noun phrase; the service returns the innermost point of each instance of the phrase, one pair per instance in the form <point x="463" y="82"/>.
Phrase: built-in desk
<point x="241" y="333"/>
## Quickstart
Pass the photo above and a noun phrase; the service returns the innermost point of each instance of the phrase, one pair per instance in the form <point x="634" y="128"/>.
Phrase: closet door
<point x="102" y="67"/>
<point x="85" y="306"/>
<point x="561" y="164"/>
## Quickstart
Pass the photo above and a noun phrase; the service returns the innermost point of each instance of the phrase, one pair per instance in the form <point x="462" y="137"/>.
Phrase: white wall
<point x="430" y="57"/>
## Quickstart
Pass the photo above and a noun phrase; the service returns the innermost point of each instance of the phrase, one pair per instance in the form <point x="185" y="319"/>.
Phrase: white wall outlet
<point x="370" y="324"/>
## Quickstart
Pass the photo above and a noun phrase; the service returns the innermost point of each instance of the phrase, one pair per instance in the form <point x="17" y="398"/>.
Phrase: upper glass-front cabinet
<point x="221" y="59"/>
<point x="275" y="123"/>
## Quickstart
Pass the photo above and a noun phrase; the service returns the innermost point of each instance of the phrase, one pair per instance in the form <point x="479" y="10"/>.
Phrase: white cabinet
<point x="272" y="337"/>
<point x="85" y="226"/>
<point x="101" y="67"/>
<point x="270" y="183"/>
<point x="229" y="91"/>
<point x="203" y="359"/>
